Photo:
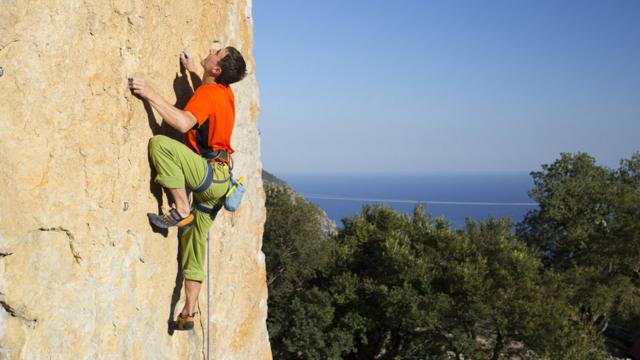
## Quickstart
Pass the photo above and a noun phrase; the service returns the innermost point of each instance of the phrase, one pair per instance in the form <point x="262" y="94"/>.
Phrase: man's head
<point x="226" y="65"/>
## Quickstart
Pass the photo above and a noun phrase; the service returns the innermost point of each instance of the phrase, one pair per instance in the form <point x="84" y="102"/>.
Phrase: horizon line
<point x="433" y="202"/>
<point x="413" y="172"/>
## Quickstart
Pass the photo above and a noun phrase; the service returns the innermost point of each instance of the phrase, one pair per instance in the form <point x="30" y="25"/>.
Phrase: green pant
<point x="178" y="167"/>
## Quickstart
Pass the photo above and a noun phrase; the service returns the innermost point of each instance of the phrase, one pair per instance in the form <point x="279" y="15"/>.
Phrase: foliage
<point x="296" y="250"/>
<point x="587" y="230"/>
<point x="400" y="287"/>
<point x="425" y="290"/>
<point x="393" y="286"/>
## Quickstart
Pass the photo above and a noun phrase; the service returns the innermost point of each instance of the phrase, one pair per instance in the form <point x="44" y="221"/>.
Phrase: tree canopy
<point x="389" y="285"/>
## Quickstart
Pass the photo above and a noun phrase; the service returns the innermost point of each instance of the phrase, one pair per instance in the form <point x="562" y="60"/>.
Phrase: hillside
<point x="329" y="226"/>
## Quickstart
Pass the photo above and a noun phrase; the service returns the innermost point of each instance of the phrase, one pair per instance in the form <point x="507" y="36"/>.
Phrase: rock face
<point x="82" y="274"/>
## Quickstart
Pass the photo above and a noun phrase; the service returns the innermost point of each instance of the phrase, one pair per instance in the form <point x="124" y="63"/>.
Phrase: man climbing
<point x="201" y="166"/>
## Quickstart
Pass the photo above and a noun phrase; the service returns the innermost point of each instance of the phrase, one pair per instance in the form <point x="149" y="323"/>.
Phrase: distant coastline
<point x="453" y="195"/>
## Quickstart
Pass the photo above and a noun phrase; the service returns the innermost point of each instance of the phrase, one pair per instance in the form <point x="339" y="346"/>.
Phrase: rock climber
<point x="202" y="165"/>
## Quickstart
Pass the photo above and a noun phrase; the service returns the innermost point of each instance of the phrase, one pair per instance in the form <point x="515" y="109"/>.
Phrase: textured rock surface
<point x="82" y="274"/>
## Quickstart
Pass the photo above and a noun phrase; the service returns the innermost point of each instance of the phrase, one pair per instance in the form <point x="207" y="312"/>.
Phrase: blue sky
<point x="431" y="86"/>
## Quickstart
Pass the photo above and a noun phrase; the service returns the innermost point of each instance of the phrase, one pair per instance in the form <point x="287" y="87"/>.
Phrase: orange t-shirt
<point x="213" y="105"/>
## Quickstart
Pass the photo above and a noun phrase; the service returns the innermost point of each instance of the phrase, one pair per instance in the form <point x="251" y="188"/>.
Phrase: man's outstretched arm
<point x="178" y="119"/>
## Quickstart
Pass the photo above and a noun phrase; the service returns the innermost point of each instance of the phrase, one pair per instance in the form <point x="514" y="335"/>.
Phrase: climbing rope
<point x="208" y="304"/>
<point x="208" y="294"/>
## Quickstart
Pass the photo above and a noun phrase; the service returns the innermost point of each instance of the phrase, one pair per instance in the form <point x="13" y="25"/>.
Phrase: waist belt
<point x="208" y="180"/>
<point x="220" y="155"/>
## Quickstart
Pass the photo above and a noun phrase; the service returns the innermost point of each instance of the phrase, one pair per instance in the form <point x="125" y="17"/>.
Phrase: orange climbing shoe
<point x="173" y="218"/>
<point x="185" y="322"/>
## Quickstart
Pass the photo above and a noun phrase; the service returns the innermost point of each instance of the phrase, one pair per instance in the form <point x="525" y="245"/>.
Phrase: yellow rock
<point x="82" y="274"/>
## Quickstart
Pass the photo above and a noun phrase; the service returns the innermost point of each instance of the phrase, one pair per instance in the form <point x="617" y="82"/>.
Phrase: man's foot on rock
<point x="185" y="321"/>
<point x="173" y="218"/>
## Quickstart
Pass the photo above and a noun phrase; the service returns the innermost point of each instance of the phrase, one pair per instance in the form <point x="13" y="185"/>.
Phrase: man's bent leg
<point x="193" y="243"/>
<point x="177" y="166"/>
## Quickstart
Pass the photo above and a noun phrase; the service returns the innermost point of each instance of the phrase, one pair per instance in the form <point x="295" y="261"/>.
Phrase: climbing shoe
<point x="173" y="218"/>
<point x="185" y="322"/>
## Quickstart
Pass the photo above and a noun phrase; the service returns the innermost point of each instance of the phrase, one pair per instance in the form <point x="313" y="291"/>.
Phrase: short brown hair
<point x="233" y="67"/>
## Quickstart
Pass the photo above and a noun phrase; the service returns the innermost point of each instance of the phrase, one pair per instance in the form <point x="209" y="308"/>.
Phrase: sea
<point x="453" y="195"/>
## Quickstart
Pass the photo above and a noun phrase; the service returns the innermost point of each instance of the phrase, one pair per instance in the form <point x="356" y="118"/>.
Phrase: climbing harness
<point x="218" y="155"/>
<point x="206" y="209"/>
<point x="234" y="193"/>
<point x="208" y="180"/>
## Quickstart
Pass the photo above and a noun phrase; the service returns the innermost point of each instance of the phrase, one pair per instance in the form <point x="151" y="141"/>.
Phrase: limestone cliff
<point x="82" y="274"/>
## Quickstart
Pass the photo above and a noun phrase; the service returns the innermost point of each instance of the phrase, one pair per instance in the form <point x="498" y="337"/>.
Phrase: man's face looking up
<point x="210" y="63"/>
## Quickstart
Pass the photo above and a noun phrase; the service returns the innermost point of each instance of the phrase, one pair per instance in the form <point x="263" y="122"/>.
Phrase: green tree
<point x="576" y="199"/>
<point x="381" y="285"/>
<point x="296" y="251"/>
<point x="587" y="230"/>
<point x="413" y="288"/>
<point x="522" y="311"/>
<point x="393" y="286"/>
